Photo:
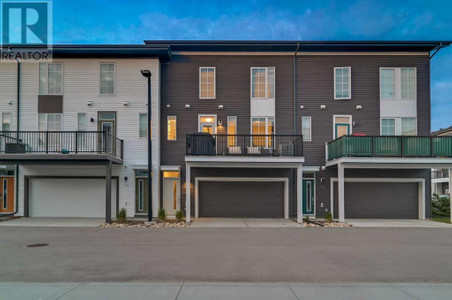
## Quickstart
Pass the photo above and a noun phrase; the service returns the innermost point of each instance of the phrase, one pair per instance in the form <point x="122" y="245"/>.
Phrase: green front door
<point x="308" y="196"/>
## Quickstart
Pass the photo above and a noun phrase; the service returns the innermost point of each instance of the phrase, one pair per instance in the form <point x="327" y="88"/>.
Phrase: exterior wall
<point x="81" y="84"/>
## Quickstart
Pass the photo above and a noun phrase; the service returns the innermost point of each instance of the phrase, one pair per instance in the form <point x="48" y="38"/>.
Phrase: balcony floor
<point x="40" y="158"/>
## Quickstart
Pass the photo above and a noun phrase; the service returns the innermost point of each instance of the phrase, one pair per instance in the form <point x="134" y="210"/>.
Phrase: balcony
<point x="390" y="146"/>
<point x="202" y="144"/>
<point x="75" y="145"/>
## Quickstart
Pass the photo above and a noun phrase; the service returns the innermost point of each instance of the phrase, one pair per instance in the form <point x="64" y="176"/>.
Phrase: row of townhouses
<point x="259" y="129"/>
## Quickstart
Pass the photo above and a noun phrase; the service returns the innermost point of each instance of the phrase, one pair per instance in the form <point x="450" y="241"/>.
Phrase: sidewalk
<point x="219" y="291"/>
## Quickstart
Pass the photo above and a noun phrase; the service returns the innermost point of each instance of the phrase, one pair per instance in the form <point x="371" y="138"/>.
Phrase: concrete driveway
<point x="246" y="222"/>
<point x="381" y="223"/>
<point x="53" y="222"/>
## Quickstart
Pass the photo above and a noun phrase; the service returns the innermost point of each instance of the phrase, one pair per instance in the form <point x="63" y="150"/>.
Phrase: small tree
<point x="179" y="215"/>
<point x="122" y="216"/>
<point x="329" y="217"/>
<point x="440" y="205"/>
<point x="162" y="214"/>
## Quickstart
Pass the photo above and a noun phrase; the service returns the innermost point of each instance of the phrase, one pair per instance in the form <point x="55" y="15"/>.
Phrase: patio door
<point x="6" y="194"/>
<point x="342" y="126"/>
<point x="308" y="197"/>
<point x="107" y="124"/>
<point x="207" y="124"/>
<point x="171" y="192"/>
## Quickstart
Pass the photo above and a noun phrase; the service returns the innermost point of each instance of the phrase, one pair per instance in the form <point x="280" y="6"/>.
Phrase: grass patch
<point x="441" y="219"/>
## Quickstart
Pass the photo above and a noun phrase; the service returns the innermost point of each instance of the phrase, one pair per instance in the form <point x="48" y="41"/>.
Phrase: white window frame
<point x="236" y="130"/>
<point x="78" y="127"/>
<point x="342" y="116"/>
<point x="207" y="115"/>
<point x="141" y="195"/>
<point x="398" y="83"/>
<point x="214" y="82"/>
<point x="10" y="120"/>
<point x="167" y="132"/>
<point x="266" y="83"/>
<point x="47" y="78"/>
<point x="397" y="124"/>
<point x="139" y="125"/>
<point x="99" y="79"/>
<point x="47" y="120"/>
<point x="310" y="128"/>
<point x="349" y="83"/>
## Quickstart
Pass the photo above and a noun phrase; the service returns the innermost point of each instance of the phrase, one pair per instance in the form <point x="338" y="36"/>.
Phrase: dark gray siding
<point x="241" y="199"/>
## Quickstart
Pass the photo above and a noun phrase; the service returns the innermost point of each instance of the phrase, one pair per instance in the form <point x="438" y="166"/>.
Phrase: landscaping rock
<point x="146" y="225"/>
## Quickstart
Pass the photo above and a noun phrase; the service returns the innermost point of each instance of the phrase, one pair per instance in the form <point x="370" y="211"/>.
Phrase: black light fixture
<point x="148" y="74"/>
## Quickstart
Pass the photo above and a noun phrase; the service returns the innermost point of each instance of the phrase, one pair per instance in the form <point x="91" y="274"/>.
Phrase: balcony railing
<point x="60" y="142"/>
<point x="440" y="174"/>
<point x="390" y="146"/>
<point x="244" y="145"/>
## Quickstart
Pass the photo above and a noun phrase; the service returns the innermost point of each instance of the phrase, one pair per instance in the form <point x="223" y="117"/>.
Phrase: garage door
<point x="83" y="198"/>
<point x="377" y="200"/>
<point x="241" y="199"/>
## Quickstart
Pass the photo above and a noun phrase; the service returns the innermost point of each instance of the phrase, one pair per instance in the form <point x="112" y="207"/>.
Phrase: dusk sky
<point x="114" y="21"/>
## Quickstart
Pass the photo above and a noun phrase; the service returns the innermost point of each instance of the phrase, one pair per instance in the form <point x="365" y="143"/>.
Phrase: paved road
<point x="218" y="291"/>
<point x="308" y="255"/>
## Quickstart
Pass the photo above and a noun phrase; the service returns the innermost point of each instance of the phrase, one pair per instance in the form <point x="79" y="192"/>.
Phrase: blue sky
<point x="114" y="21"/>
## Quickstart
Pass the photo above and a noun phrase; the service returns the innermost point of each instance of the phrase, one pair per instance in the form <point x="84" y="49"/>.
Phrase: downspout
<point x="16" y="172"/>
<point x="294" y="172"/>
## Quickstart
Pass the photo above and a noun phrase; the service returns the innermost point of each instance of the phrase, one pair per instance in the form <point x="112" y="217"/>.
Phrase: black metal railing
<point x="244" y="145"/>
<point x="439" y="174"/>
<point x="61" y="142"/>
<point x="390" y="146"/>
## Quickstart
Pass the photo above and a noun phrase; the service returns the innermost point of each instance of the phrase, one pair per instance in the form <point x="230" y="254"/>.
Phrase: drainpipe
<point x="16" y="171"/>
<point x="294" y="183"/>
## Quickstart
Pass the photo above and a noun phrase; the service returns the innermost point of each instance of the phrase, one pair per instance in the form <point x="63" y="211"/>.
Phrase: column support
<point x="300" y="194"/>
<point x="341" y="194"/>
<point x="108" y="193"/>
<point x="187" y="193"/>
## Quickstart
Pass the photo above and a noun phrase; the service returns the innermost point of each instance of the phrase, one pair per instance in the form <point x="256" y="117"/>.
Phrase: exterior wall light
<point x="89" y="103"/>
<point x="125" y="103"/>
<point x="322" y="107"/>
<point x="359" y="107"/>
<point x="220" y="107"/>
<point x="187" y="106"/>
<point x="168" y="106"/>
<point x="301" y="106"/>
<point x="220" y="123"/>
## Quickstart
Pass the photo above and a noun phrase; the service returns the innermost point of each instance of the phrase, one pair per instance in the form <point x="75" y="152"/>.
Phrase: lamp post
<point x="148" y="74"/>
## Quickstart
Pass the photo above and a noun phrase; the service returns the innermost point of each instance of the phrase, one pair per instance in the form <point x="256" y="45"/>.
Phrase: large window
<point x="107" y="79"/>
<point x="6" y="121"/>
<point x="143" y="125"/>
<point x="342" y="126"/>
<point x="306" y="128"/>
<point x="398" y="126"/>
<point x="50" y="79"/>
<point x="207" y="83"/>
<point x="81" y="126"/>
<point x="171" y="120"/>
<point x="50" y="122"/>
<point x="261" y="129"/>
<point x="263" y="83"/>
<point x="232" y="131"/>
<point x="342" y="83"/>
<point x="398" y="83"/>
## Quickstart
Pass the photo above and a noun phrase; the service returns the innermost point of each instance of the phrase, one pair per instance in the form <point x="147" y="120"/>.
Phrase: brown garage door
<point x="241" y="199"/>
<point x="377" y="200"/>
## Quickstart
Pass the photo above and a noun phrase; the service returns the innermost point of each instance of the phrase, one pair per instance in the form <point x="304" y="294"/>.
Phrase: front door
<point x="107" y="125"/>
<point x="171" y="192"/>
<point x="6" y="194"/>
<point x="308" y="197"/>
<point x="342" y="129"/>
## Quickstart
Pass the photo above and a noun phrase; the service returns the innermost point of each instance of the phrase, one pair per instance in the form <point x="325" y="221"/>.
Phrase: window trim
<point x="398" y="83"/>
<point x="234" y="139"/>
<point x="139" y="123"/>
<point x="207" y="115"/>
<point x="266" y="84"/>
<point x="349" y="83"/>
<point x="167" y="132"/>
<point x="114" y="79"/>
<point x="310" y="128"/>
<point x="214" y="83"/>
<point x="342" y="116"/>
<point x="47" y="120"/>
<point x="47" y="75"/>
<point x="398" y="125"/>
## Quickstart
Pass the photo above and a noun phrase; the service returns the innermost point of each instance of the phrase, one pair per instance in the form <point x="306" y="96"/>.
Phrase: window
<point x="207" y="123"/>
<point x="262" y="126"/>
<point x="398" y="126"/>
<point x="232" y="130"/>
<point x="306" y="128"/>
<point x="140" y="194"/>
<point x="143" y="125"/>
<point x="398" y="83"/>
<point x="171" y="120"/>
<point x="207" y="83"/>
<point x="6" y="121"/>
<point x="81" y="121"/>
<point x="342" y="126"/>
<point x="107" y="79"/>
<point x="50" y="79"/>
<point x="50" y="122"/>
<point x="263" y="83"/>
<point x="342" y="83"/>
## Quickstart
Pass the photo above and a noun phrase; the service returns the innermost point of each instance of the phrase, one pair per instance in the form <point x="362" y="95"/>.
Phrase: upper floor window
<point x="342" y="83"/>
<point x="171" y="135"/>
<point x="6" y="121"/>
<point x="107" y="79"/>
<point x="261" y="130"/>
<point x="263" y="83"/>
<point x="232" y="131"/>
<point x="143" y="126"/>
<point x="398" y="83"/>
<point x="398" y="126"/>
<point x="207" y="83"/>
<point x="306" y="128"/>
<point x="50" y="122"/>
<point x="50" y="79"/>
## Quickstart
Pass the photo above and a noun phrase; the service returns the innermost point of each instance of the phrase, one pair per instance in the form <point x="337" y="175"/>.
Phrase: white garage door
<point x="84" y="198"/>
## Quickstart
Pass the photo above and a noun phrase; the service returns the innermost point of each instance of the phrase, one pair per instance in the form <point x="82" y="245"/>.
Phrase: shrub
<point x="122" y="216"/>
<point x="440" y="206"/>
<point x="179" y="215"/>
<point x="329" y="217"/>
<point x="306" y="219"/>
<point x="162" y="214"/>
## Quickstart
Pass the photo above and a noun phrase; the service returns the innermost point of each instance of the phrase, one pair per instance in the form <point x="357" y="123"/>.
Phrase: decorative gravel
<point x="146" y="225"/>
<point x="329" y="224"/>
